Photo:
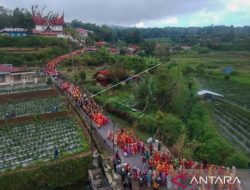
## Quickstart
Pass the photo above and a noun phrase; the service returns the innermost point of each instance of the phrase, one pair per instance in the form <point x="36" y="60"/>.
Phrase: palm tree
<point x="145" y="93"/>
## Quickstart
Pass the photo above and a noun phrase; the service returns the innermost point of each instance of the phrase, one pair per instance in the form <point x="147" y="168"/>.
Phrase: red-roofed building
<point x="82" y="32"/>
<point x="100" y="44"/>
<point x="10" y="75"/>
<point x="132" y="49"/>
<point x="103" y="77"/>
<point x="114" y="50"/>
<point x="48" y="27"/>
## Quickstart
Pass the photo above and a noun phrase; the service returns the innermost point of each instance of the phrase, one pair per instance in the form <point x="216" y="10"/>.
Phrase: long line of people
<point x="51" y="65"/>
<point x="89" y="106"/>
<point x="50" y="68"/>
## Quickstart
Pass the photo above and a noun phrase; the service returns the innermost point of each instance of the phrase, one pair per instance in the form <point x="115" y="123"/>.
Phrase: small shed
<point x="209" y="95"/>
<point x="102" y="77"/>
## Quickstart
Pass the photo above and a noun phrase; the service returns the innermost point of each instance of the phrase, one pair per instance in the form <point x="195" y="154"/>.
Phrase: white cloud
<point x="140" y="24"/>
<point x="238" y="5"/>
<point x="169" y="21"/>
<point x="232" y="7"/>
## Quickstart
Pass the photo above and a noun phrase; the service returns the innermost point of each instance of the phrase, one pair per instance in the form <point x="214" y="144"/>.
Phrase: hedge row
<point x="33" y="118"/>
<point x="28" y="95"/>
<point x="47" y="177"/>
<point x="119" y="113"/>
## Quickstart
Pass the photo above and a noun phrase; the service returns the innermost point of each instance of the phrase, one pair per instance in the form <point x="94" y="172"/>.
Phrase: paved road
<point x="134" y="161"/>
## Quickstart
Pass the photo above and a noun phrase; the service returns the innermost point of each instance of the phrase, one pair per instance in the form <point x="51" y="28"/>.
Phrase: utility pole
<point x="91" y="136"/>
<point x="113" y="141"/>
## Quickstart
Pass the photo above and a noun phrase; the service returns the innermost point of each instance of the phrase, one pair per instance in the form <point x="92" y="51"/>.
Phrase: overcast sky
<point x="146" y="13"/>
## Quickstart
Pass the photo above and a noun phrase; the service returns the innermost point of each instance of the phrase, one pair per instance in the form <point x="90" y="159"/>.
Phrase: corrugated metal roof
<point x="13" y="30"/>
<point x="202" y="92"/>
<point x="10" y="69"/>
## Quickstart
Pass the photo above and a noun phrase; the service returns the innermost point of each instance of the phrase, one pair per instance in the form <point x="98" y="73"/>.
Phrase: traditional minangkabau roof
<point x="54" y="21"/>
<point x="11" y="69"/>
<point x="203" y="92"/>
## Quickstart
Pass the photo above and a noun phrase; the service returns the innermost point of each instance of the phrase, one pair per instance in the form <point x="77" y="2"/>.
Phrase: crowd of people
<point x="51" y="65"/>
<point x="50" y="68"/>
<point x="159" y="170"/>
<point x="89" y="106"/>
<point x="127" y="141"/>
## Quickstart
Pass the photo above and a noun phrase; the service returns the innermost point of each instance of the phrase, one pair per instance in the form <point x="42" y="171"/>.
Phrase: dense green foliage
<point x="164" y="100"/>
<point x="35" y="42"/>
<point x="39" y="58"/>
<point x="165" y="90"/>
<point x="47" y="176"/>
<point x="19" y="18"/>
<point x="44" y="49"/>
<point x="222" y="38"/>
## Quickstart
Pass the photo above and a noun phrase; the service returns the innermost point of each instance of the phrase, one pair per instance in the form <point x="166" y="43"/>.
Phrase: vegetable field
<point x="234" y="124"/>
<point x="23" y="145"/>
<point x="34" y="106"/>
<point x="234" y="92"/>
<point x="26" y="88"/>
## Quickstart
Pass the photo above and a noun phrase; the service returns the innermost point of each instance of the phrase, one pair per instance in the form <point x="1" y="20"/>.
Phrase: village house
<point x="186" y="47"/>
<point x="14" y="32"/>
<point x="101" y="44"/>
<point x="10" y="75"/>
<point x="133" y="49"/>
<point x="82" y="32"/>
<point x="114" y="50"/>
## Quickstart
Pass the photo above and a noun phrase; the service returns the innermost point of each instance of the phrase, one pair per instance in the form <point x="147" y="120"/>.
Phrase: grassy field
<point x="216" y="61"/>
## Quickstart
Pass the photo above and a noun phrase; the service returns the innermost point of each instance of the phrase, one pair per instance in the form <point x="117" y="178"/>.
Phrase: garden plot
<point x="25" y="88"/>
<point x="23" y="145"/>
<point x="235" y="127"/>
<point x="34" y="106"/>
<point x="234" y="92"/>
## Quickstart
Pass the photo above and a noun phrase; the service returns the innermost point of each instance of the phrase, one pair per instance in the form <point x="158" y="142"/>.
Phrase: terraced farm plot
<point x="23" y="145"/>
<point x="233" y="124"/>
<point x="26" y="88"/>
<point x="34" y="106"/>
<point x="234" y="92"/>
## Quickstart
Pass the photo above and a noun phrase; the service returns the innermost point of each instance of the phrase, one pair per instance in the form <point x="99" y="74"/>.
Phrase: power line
<point x="125" y="80"/>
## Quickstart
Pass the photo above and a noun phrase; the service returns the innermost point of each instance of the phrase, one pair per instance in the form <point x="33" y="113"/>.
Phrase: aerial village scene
<point x="124" y="95"/>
